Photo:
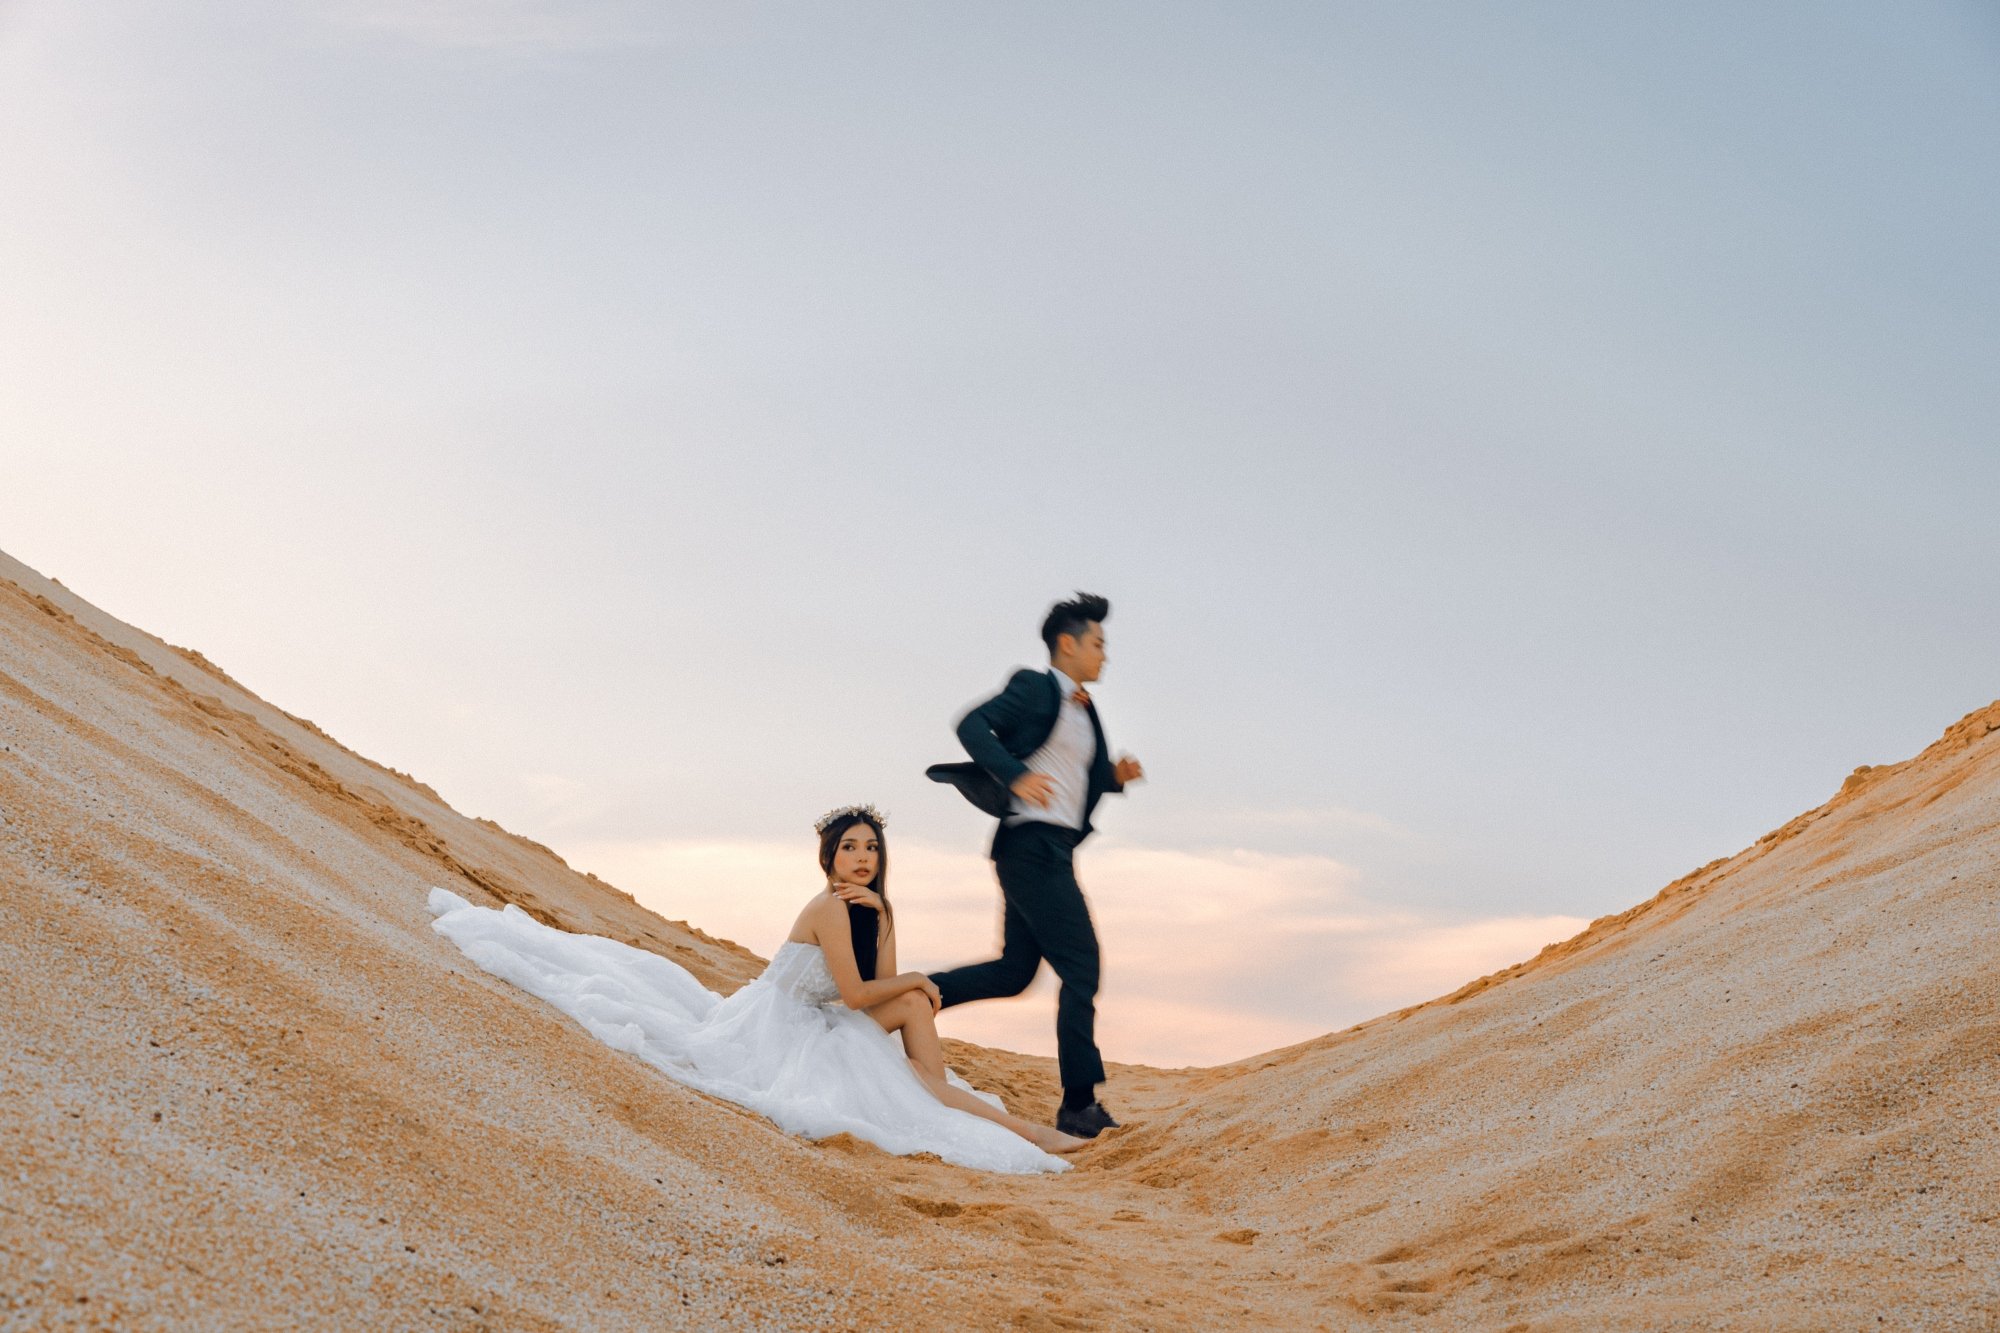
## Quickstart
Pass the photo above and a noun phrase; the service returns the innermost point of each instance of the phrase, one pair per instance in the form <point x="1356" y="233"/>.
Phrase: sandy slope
<point x="243" y="1084"/>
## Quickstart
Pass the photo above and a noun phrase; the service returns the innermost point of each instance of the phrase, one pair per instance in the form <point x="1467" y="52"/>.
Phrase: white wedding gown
<point x="784" y="1045"/>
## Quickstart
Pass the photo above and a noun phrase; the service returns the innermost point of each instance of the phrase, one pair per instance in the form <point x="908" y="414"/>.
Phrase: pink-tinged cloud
<point x="1209" y="956"/>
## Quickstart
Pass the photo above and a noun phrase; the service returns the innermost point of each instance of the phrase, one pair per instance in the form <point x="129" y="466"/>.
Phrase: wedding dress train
<point x="784" y="1045"/>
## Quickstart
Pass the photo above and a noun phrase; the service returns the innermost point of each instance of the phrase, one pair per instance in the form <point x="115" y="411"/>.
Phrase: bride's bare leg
<point x="910" y="1015"/>
<point x="1045" y="1137"/>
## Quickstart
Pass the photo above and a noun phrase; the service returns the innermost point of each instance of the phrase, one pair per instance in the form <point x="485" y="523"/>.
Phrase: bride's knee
<point x="909" y="1007"/>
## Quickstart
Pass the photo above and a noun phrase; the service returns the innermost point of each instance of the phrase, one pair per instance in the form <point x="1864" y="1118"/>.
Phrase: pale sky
<point x="1531" y="450"/>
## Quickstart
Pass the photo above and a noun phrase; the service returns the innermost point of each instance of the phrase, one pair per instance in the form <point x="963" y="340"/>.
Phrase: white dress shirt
<point x="1065" y="760"/>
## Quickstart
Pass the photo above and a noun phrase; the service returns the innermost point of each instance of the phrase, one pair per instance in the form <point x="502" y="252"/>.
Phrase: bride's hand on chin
<point x="854" y="893"/>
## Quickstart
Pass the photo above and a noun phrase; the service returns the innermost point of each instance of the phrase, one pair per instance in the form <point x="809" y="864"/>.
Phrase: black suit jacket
<point x="1002" y="732"/>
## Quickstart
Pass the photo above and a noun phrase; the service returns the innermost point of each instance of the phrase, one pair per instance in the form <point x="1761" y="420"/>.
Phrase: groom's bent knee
<point x="1015" y="977"/>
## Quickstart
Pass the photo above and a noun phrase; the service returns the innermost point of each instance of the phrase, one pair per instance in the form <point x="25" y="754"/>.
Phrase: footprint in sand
<point x="930" y="1207"/>
<point x="1025" y="1222"/>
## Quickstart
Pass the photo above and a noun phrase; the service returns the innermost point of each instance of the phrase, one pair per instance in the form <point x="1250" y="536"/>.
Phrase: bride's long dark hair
<point x="862" y="922"/>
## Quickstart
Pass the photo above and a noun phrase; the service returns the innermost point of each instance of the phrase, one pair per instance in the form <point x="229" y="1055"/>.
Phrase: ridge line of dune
<point x="1974" y="726"/>
<point x="201" y="662"/>
<point x="411" y="830"/>
<point x="1682" y="893"/>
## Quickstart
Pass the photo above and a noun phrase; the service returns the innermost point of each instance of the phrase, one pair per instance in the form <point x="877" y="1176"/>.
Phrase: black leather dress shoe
<point x="1086" y="1122"/>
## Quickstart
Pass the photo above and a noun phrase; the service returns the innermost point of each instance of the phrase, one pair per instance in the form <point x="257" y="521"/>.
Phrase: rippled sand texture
<point x="243" y="1084"/>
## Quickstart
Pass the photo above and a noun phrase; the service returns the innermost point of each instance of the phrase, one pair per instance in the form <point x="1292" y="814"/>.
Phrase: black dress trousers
<point x="1046" y="917"/>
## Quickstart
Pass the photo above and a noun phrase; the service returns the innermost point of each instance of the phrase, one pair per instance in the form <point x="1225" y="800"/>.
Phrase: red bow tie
<point x="1082" y="697"/>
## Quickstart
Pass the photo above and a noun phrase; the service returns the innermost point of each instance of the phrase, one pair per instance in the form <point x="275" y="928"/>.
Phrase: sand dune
<point x="242" y="1084"/>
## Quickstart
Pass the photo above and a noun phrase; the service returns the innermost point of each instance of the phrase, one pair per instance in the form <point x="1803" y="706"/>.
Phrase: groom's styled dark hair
<point x="1073" y="618"/>
<point x="861" y="921"/>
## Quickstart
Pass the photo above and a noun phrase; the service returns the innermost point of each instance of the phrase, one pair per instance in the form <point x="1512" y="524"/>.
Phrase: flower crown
<point x="868" y="812"/>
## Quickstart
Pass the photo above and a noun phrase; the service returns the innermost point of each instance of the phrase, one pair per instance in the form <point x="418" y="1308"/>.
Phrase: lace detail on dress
<point x="800" y="971"/>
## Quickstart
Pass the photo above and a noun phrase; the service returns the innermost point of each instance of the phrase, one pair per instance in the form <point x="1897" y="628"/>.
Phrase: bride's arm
<point x="829" y="922"/>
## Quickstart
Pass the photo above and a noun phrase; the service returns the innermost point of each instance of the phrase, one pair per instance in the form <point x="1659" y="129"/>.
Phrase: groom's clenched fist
<point x="1129" y="770"/>
<point x="1034" y="788"/>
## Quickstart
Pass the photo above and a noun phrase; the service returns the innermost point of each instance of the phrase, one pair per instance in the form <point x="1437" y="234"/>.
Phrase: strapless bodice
<point x="800" y="971"/>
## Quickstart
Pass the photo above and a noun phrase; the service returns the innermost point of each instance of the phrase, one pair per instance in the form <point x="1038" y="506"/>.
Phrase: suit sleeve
<point x="976" y="729"/>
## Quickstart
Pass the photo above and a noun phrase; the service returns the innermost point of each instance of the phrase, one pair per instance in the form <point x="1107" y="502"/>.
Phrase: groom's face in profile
<point x="1081" y="657"/>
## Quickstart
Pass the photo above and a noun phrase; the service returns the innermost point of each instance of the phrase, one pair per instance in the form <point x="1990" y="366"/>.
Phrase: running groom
<point x="1039" y="765"/>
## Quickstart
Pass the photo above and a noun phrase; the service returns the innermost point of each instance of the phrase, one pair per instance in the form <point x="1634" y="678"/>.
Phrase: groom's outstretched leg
<point x="1009" y="974"/>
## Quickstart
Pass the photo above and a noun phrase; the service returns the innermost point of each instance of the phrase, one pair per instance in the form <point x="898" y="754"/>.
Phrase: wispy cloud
<point x="1209" y="955"/>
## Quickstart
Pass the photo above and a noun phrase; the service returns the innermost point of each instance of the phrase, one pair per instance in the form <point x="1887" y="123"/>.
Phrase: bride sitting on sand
<point x="808" y="1043"/>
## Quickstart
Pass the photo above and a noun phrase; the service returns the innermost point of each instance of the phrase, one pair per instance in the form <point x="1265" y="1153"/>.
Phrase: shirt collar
<point x="1065" y="687"/>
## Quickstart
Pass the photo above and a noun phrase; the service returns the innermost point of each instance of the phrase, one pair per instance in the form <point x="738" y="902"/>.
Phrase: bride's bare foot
<point x="1054" y="1140"/>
